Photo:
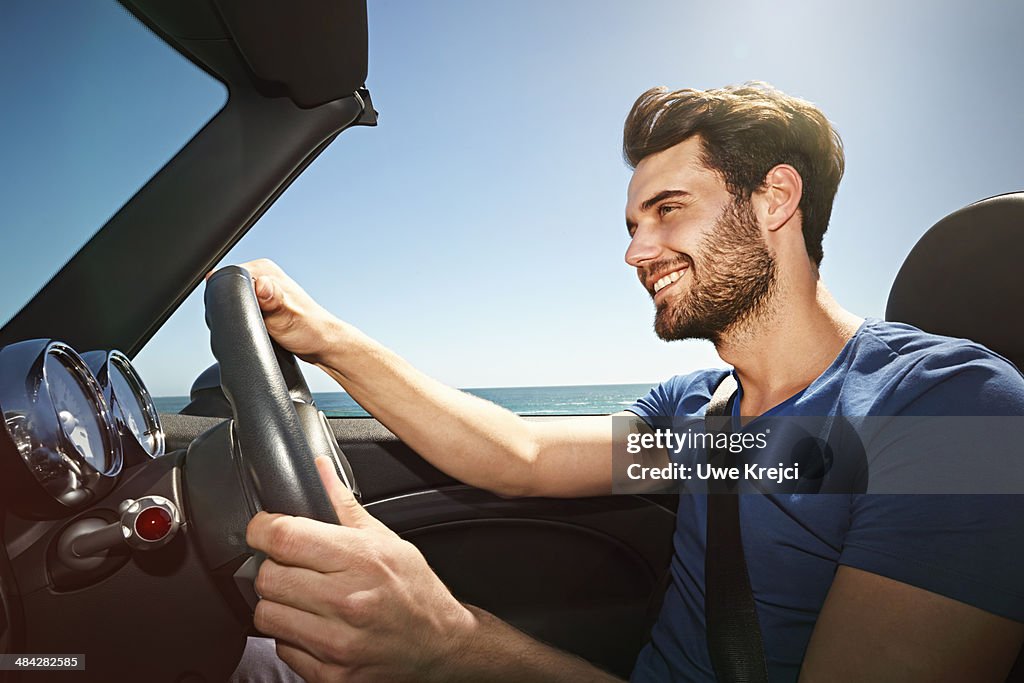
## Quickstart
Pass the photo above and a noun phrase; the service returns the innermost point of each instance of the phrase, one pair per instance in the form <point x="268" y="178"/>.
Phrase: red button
<point x="153" y="523"/>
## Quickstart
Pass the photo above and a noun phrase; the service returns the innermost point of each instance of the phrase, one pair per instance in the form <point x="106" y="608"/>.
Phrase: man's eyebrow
<point x="651" y="201"/>
<point x="664" y="194"/>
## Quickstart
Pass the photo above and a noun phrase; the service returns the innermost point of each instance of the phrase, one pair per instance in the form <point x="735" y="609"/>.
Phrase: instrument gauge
<point x="132" y="407"/>
<point x="58" y="448"/>
<point x="79" y="413"/>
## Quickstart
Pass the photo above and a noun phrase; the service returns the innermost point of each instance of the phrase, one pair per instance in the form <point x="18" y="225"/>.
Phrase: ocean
<point x="594" y="399"/>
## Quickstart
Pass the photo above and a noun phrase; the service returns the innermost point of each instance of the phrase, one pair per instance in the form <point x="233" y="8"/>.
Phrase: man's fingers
<point x="349" y="511"/>
<point x="268" y="292"/>
<point x="301" y="542"/>
<point x="319" y="636"/>
<point x="266" y="279"/>
<point x="269" y="295"/>
<point x="308" y="590"/>
<point x="265" y="288"/>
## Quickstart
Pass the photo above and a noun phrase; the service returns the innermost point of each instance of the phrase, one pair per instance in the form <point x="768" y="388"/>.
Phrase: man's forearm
<point x="495" y="651"/>
<point x="471" y="439"/>
<point x="467" y="437"/>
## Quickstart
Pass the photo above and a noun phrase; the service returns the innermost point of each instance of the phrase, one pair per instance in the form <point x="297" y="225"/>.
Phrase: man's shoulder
<point x="918" y="372"/>
<point x="685" y="394"/>
<point x="907" y="344"/>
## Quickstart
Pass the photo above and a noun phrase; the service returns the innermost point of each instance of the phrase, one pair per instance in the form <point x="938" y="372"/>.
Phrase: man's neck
<point x="786" y="348"/>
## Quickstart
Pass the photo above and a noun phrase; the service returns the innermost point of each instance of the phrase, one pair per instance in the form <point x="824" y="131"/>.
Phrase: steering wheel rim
<point x="261" y="380"/>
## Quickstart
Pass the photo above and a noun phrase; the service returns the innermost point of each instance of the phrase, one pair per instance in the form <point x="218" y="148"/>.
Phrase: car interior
<point x="124" y="530"/>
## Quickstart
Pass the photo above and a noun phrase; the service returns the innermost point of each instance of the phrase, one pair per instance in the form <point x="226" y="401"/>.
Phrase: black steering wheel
<point x="262" y="459"/>
<point x="264" y="386"/>
<point x="195" y="590"/>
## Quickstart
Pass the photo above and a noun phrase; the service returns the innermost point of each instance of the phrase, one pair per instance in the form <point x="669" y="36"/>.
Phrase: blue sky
<point x="478" y="229"/>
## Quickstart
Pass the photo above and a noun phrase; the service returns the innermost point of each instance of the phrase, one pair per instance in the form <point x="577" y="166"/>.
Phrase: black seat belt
<point x="733" y="631"/>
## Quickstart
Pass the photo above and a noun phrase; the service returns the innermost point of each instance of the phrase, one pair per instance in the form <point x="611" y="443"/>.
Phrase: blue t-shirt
<point x="966" y="547"/>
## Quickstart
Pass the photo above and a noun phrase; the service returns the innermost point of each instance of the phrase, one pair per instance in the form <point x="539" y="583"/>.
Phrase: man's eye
<point x="666" y="208"/>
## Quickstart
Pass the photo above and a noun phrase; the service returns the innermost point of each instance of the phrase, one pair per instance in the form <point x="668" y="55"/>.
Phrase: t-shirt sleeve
<point x="682" y="395"/>
<point x="656" y="402"/>
<point x="974" y="382"/>
<point x="969" y="547"/>
<point x="966" y="547"/>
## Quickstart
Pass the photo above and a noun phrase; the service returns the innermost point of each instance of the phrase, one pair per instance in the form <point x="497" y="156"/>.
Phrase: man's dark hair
<point x="746" y="130"/>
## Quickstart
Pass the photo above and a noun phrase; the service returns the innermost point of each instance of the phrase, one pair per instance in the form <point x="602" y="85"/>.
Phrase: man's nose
<point x="643" y="247"/>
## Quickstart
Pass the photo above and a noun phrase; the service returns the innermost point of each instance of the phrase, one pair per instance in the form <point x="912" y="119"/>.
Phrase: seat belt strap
<point x="733" y="631"/>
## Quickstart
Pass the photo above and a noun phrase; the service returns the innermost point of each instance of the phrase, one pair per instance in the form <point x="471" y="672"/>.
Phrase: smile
<point x="666" y="280"/>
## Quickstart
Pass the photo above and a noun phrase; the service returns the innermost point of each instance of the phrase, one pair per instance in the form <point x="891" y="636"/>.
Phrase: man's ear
<point x="779" y="198"/>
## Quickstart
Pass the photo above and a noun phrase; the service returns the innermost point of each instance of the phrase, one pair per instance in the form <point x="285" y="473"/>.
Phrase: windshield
<point x="95" y="104"/>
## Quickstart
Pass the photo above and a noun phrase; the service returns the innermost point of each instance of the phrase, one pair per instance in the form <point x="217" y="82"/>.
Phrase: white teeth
<point x="667" y="280"/>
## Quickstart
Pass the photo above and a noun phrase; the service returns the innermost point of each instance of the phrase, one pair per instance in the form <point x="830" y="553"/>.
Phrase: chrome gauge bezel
<point x="145" y="400"/>
<point x="133" y="444"/>
<point x="44" y="473"/>
<point x="74" y="364"/>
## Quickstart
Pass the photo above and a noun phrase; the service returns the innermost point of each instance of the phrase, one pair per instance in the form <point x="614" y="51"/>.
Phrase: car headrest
<point x="965" y="277"/>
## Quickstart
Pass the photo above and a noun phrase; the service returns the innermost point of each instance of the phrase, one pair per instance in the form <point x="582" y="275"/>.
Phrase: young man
<point x="731" y="195"/>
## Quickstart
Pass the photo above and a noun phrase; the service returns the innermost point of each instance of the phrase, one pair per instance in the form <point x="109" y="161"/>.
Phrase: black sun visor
<point x="311" y="51"/>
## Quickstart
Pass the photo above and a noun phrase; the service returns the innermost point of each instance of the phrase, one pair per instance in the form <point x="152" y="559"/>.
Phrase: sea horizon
<point x="564" y="399"/>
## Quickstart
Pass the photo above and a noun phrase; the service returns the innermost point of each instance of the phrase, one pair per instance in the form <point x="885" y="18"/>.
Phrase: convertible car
<point x="123" y="529"/>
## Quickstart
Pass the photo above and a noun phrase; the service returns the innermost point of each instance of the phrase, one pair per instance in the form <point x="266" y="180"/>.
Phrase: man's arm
<point x="928" y="586"/>
<point x="356" y="602"/>
<point x="873" y="628"/>
<point x="472" y="439"/>
<point x="467" y="437"/>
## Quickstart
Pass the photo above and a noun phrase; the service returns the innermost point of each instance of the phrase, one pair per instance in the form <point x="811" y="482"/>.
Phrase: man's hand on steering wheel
<point x="293" y="319"/>
<point x="350" y="602"/>
<point x="353" y="600"/>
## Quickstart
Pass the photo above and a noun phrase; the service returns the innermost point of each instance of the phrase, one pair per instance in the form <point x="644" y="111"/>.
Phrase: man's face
<point x="697" y="250"/>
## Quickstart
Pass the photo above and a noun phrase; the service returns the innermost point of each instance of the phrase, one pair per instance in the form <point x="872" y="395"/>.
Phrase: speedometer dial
<point x="133" y="410"/>
<point x="58" y="448"/>
<point x="78" y="414"/>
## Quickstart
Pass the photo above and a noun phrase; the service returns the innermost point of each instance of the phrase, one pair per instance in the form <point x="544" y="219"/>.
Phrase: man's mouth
<point x="666" y="280"/>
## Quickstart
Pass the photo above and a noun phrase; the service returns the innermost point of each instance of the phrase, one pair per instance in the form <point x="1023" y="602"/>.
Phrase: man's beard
<point x="732" y="278"/>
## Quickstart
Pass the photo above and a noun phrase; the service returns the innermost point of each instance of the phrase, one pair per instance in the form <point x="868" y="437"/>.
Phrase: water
<point x="594" y="399"/>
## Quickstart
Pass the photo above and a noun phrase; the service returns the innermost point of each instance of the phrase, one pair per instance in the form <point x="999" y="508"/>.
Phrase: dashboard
<point x="95" y="528"/>
<point x="72" y="422"/>
<point x="99" y="522"/>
